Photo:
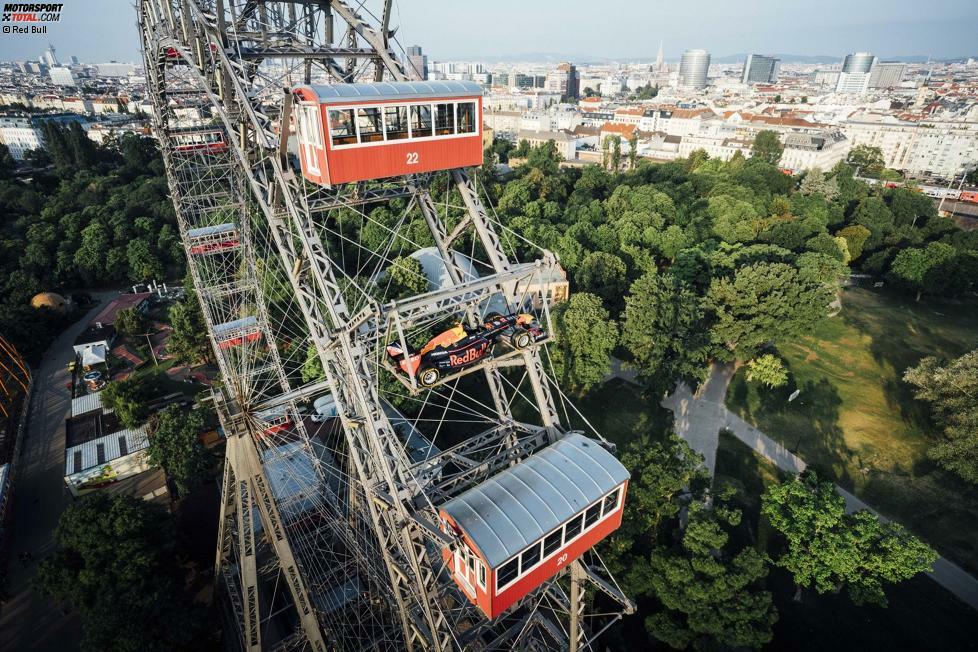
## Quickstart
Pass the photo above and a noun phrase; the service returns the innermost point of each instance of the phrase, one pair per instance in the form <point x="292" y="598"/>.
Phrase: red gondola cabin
<point x="526" y="524"/>
<point x="358" y="132"/>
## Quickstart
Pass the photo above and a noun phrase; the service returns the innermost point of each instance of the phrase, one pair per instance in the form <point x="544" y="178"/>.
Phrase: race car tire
<point x="428" y="377"/>
<point x="521" y="338"/>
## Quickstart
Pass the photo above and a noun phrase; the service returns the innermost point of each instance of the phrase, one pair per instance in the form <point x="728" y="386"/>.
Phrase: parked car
<point x="461" y="346"/>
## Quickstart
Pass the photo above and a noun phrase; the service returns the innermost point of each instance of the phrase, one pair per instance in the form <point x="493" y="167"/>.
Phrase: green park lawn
<point x="856" y="421"/>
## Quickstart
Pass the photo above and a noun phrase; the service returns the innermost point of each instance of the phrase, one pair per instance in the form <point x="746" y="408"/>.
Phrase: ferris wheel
<point x="401" y="472"/>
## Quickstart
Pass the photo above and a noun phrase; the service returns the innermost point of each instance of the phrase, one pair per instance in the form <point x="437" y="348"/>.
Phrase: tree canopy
<point x="174" y="445"/>
<point x="585" y="338"/>
<point x="951" y="391"/>
<point x="115" y="562"/>
<point x="767" y="146"/>
<point x="828" y="548"/>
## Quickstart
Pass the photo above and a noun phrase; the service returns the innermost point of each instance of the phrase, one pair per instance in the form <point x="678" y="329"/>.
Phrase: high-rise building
<point x="519" y="80"/>
<point x="693" y="69"/>
<point x="564" y="80"/>
<point x="49" y="57"/>
<point x="417" y="63"/>
<point x="858" y="62"/>
<point x="660" y="60"/>
<point x="856" y="68"/>
<point x="61" y="76"/>
<point x="759" y="69"/>
<point x="887" y="74"/>
<point x="74" y="60"/>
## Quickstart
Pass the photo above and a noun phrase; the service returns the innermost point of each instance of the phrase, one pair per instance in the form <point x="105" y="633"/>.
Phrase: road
<point x="700" y="417"/>
<point x="28" y="621"/>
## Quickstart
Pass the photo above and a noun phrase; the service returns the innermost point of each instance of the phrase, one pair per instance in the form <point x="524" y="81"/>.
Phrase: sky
<point x="103" y="30"/>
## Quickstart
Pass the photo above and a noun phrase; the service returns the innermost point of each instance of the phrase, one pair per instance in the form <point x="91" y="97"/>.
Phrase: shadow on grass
<point x="807" y="426"/>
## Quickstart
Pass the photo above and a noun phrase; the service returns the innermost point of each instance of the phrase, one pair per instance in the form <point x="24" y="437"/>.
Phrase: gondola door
<point x="310" y="139"/>
<point x="465" y="568"/>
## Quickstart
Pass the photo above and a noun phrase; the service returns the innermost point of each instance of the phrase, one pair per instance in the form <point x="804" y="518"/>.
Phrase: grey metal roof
<point x="211" y="230"/>
<point x="335" y="93"/>
<point x="244" y="322"/>
<point x="87" y="403"/>
<point x="507" y="513"/>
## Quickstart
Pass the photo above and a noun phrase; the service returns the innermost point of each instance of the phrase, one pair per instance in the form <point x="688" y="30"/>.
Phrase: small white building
<point x="93" y="459"/>
<point x="803" y="151"/>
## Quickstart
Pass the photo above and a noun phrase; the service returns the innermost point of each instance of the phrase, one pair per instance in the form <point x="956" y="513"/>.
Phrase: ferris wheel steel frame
<point x="369" y="526"/>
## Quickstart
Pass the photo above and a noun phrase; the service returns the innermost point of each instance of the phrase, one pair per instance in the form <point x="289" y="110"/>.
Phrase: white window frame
<point x="462" y="553"/>
<point x="311" y="147"/>
<point x="411" y="138"/>
<point x="521" y="572"/>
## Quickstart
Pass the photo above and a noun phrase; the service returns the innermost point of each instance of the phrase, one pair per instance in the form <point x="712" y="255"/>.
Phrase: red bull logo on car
<point x="471" y="355"/>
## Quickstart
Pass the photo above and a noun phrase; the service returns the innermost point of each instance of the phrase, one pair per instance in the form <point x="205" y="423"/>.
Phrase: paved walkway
<point x="28" y="621"/>
<point x="700" y="417"/>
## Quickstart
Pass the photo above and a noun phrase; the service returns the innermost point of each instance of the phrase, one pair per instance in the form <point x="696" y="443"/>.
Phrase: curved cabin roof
<point x="518" y="506"/>
<point x="390" y="91"/>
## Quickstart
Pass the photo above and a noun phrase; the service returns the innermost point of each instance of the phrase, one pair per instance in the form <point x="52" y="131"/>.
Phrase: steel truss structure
<point x="329" y="534"/>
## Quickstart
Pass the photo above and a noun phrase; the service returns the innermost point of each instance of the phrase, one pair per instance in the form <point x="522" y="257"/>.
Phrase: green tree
<point x="913" y="268"/>
<point x="174" y="445"/>
<point x="115" y="562"/>
<point x="605" y="275"/>
<point x="767" y="146"/>
<point x="143" y="263"/>
<point x="188" y="341"/>
<point x="131" y="322"/>
<point x="661" y="471"/>
<point x="867" y="159"/>
<point x="7" y="163"/>
<point x="856" y="236"/>
<point x="665" y="329"/>
<point x="765" y="302"/>
<point x="951" y="391"/>
<point x="875" y="215"/>
<point x="544" y="157"/>
<point x="128" y="398"/>
<point x="815" y="183"/>
<point x="585" y="337"/>
<point x="713" y="596"/>
<point x="406" y="277"/>
<point x="90" y="256"/>
<point x="828" y="548"/>
<point x="767" y="370"/>
<point x="312" y="368"/>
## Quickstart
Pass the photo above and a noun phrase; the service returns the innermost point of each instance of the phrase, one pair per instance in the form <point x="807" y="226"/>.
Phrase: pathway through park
<point x="699" y="418"/>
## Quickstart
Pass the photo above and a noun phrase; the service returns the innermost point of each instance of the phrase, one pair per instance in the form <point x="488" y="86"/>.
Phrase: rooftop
<point x="396" y="90"/>
<point x="520" y="505"/>
<point x="106" y="448"/>
<point x="95" y="334"/>
<point x="109" y="313"/>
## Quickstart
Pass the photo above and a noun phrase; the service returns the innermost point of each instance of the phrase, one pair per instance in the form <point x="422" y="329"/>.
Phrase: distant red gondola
<point x="359" y="132"/>
<point x="191" y="141"/>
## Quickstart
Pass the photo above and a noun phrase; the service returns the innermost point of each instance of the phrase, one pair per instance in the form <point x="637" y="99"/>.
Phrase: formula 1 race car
<point x="461" y="347"/>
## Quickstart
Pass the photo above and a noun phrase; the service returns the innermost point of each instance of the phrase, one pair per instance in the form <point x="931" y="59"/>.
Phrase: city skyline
<point x="834" y="28"/>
